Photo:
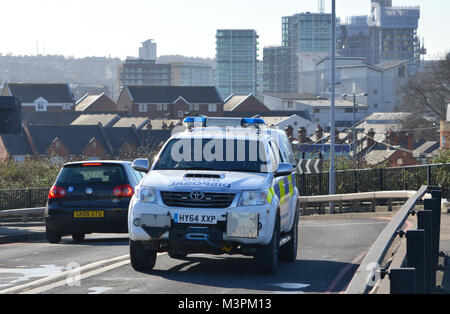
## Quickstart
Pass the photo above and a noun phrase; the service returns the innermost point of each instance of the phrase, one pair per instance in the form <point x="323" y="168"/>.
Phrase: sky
<point x="82" y="28"/>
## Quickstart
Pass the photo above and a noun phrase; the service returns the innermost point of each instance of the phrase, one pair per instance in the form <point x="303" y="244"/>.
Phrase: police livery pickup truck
<point x="223" y="186"/>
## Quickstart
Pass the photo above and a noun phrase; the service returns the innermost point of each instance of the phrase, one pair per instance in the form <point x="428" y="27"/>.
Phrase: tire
<point x="288" y="252"/>
<point x="141" y="259"/>
<point x="267" y="256"/>
<point x="176" y="255"/>
<point x="78" y="237"/>
<point x="53" y="237"/>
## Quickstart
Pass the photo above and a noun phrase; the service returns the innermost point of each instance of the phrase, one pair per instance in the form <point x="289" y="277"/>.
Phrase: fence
<point x="412" y="269"/>
<point x="23" y="198"/>
<point x="373" y="180"/>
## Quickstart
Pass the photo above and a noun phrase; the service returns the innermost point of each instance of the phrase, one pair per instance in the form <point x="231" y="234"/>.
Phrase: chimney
<point x="289" y="131"/>
<point x="370" y="138"/>
<point x="336" y="136"/>
<point x="407" y="140"/>
<point x="302" y="135"/>
<point x="319" y="133"/>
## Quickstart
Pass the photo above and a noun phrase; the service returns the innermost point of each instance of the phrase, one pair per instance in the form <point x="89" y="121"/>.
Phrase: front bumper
<point x="217" y="233"/>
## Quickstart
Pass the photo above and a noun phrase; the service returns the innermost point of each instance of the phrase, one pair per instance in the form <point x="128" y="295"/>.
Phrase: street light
<point x="355" y="152"/>
<point x="332" y="178"/>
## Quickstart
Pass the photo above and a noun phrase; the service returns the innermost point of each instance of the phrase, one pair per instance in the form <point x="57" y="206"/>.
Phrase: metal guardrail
<point x="23" y="198"/>
<point x="420" y="251"/>
<point x="22" y="212"/>
<point x="372" y="180"/>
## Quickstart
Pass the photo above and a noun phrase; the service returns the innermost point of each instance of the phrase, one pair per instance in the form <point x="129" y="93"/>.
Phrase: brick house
<point x="170" y="102"/>
<point x="41" y="97"/>
<point x="244" y="103"/>
<point x="95" y="103"/>
<point x="79" y="141"/>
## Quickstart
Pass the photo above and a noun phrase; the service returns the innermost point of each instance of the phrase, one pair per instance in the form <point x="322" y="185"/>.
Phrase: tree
<point x="426" y="94"/>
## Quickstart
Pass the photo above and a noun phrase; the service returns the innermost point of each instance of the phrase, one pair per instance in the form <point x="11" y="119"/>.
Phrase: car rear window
<point x="91" y="174"/>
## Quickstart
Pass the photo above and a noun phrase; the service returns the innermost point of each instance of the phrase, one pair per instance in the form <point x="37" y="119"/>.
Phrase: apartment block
<point x="191" y="74"/>
<point x="236" y="61"/>
<point x="144" y="72"/>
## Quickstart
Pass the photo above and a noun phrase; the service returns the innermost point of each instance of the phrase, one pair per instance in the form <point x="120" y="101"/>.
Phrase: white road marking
<point x="22" y="274"/>
<point x="99" y="290"/>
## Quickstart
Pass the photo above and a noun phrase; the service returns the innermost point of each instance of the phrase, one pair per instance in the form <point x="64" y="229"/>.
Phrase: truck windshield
<point x="213" y="154"/>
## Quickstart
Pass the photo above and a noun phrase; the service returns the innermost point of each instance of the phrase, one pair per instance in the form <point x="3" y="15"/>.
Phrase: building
<point x="314" y="72"/>
<point x="93" y="142"/>
<point x="95" y="103"/>
<point x="191" y="74"/>
<point x="307" y="32"/>
<point x="445" y="131"/>
<point x="320" y="111"/>
<point x="284" y="102"/>
<point x="148" y="50"/>
<point x="280" y="70"/>
<point x="389" y="33"/>
<point x="106" y="120"/>
<point x="301" y="33"/>
<point x="41" y="97"/>
<point x="236" y="61"/>
<point x="380" y="82"/>
<point x="170" y="102"/>
<point x="244" y="103"/>
<point x="142" y="72"/>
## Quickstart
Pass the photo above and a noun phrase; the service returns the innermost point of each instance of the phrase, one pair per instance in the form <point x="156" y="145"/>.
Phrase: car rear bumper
<point x="113" y="221"/>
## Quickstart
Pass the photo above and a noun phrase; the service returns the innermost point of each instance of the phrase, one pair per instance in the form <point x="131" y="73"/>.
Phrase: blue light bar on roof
<point x="195" y="120"/>
<point x="222" y="122"/>
<point x="253" y="121"/>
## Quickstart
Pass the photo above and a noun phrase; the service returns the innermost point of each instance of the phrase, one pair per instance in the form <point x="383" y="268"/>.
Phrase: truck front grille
<point x="211" y="200"/>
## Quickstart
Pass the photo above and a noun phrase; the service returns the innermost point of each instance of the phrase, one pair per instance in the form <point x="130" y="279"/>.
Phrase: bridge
<point x="372" y="249"/>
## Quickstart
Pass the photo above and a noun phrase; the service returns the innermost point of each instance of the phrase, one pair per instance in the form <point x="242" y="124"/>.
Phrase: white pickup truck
<point x="223" y="186"/>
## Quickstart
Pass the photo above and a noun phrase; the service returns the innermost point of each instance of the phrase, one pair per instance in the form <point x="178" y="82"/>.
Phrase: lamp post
<point x="354" y="144"/>
<point x="332" y="178"/>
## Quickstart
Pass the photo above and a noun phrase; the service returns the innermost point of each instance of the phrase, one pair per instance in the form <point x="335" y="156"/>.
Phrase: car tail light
<point x="56" y="192"/>
<point x="123" y="191"/>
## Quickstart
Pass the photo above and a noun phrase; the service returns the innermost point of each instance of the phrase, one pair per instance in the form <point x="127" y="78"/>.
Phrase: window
<point x="66" y="106"/>
<point x="212" y="107"/>
<point x="41" y="106"/>
<point x="375" y="106"/>
<point x="290" y="104"/>
<point x="375" y="91"/>
<point x="191" y="107"/>
<point x="159" y="107"/>
<point x="143" y="107"/>
<point x="165" y="107"/>
<point x="196" y="107"/>
<point x="180" y="114"/>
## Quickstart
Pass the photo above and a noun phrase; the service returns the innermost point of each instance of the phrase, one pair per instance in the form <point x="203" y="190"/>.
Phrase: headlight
<point x="146" y="195"/>
<point x="252" y="198"/>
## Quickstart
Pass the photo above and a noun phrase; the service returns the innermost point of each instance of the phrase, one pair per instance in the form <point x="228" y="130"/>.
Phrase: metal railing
<point x="23" y="198"/>
<point x="418" y="266"/>
<point x="372" y="180"/>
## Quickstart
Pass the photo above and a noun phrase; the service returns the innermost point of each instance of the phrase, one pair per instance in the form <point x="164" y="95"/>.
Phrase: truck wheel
<point x="266" y="256"/>
<point x="141" y="259"/>
<point x="288" y="252"/>
<point x="176" y="255"/>
<point x="78" y="237"/>
<point x="52" y="236"/>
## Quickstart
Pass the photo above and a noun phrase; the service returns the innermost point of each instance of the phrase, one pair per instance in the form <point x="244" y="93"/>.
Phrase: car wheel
<point x="267" y="256"/>
<point x="174" y="254"/>
<point x="52" y="236"/>
<point x="78" y="237"/>
<point x="288" y="252"/>
<point x="141" y="258"/>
